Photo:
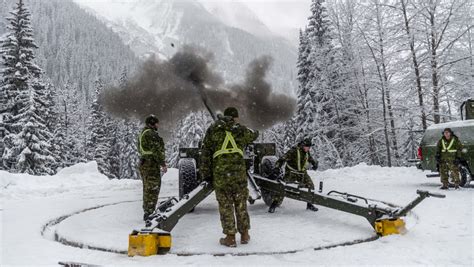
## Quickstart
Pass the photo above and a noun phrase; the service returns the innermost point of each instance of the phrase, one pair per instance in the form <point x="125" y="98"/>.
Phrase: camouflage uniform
<point x="228" y="172"/>
<point x="448" y="152"/>
<point x="152" y="157"/>
<point x="294" y="171"/>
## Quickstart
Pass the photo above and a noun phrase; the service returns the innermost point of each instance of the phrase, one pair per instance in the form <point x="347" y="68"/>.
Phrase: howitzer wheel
<point x="465" y="176"/>
<point x="266" y="169"/>
<point x="188" y="179"/>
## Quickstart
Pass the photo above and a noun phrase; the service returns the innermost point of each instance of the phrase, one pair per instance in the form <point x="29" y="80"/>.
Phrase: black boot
<point x="272" y="207"/>
<point x="311" y="207"/>
<point x="147" y="220"/>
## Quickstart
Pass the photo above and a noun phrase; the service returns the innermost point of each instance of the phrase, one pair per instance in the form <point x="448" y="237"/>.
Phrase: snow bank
<point x="77" y="177"/>
<point x="362" y="171"/>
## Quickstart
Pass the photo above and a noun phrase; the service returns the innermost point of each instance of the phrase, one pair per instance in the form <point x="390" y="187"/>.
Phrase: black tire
<point x="465" y="176"/>
<point x="188" y="180"/>
<point x="266" y="169"/>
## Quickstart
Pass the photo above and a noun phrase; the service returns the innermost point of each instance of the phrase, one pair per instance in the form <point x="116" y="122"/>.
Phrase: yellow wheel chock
<point x="148" y="243"/>
<point x="391" y="226"/>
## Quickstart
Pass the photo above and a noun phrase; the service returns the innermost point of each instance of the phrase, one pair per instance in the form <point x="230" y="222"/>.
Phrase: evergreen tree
<point x="26" y="102"/>
<point x="128" y="151"/>
<point x="190" y="131"/>
<point x="326" y="109"/>
<point x="289" y="135"/>
<point x="305" y="108"/>
<point x="98" y="146"/>
<point x="65" y="131"/>
<point x="113" y="138"/>
<point x="193" y="130"/>
<point x="172" y="148"/>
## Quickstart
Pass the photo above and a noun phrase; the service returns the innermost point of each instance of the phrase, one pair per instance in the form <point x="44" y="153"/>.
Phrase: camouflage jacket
<point x="151" y="146"/>
<point x="229" y="168"/>
<point x="452" y="151"/>
<point x="291" y="159"/>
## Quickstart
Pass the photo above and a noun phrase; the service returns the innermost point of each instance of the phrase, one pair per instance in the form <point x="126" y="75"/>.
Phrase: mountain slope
<point x="74" y="47"/>
<point x="153" y="26"/>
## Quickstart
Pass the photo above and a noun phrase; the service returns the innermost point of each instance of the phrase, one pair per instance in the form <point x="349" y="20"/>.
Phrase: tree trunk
<point x="416" y="66"/>
<point x="385" y="82"/>
<point x="434" y="63"/>
<point x="372" y="146"/>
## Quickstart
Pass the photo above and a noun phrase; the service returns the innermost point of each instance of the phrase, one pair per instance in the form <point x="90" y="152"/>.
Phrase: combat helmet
<point x="151" y="120"/>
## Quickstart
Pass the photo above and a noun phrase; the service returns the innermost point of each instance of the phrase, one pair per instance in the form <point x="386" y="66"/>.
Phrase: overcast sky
<point x="277" y="14"/>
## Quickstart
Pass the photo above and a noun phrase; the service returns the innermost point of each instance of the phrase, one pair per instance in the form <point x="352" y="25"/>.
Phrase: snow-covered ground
<point x="439" y="230"/>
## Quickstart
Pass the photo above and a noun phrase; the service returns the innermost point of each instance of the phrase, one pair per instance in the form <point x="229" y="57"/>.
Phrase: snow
<point x="76" y="178"/>
<point x="439" y="230"/>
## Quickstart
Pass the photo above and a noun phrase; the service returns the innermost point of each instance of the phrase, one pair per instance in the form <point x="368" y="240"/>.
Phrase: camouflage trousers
<point x="233" y="206"/>
<point x="448" y="166"/>
<point x="302" y="179"/>
<point x="151" y="177"/>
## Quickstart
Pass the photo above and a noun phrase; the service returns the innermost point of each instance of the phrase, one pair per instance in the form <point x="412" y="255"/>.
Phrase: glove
<point x="314" y="168"/>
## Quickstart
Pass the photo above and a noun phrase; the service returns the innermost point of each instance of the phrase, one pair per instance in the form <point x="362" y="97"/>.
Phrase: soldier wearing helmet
<point x="297" y="161"/>
<point x="223" y="159"/>
<point x="152" y="162"/>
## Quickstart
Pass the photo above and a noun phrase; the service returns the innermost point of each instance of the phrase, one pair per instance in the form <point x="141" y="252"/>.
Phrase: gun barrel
<point x="213" y="115"/>
<point x="206" y="104"/>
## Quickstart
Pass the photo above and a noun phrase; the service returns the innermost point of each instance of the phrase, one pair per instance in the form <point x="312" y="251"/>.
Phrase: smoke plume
<point x="173" y="88"/>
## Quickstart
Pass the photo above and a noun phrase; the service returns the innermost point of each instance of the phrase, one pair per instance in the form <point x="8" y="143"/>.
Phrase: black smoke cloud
<point x="173" y="88"/>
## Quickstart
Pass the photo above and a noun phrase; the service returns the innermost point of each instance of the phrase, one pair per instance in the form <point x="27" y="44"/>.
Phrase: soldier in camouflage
<point x="152" y="161"/>
<point x="222" y="159"/>
<point x="297" y="160"/>
<point x="448" y="157"/>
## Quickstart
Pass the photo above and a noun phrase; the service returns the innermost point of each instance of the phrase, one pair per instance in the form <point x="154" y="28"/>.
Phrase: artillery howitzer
<point x="260" y="160"/>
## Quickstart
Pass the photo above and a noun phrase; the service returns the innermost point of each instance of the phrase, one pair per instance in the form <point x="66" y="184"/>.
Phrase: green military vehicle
<point x="464" y="129"/>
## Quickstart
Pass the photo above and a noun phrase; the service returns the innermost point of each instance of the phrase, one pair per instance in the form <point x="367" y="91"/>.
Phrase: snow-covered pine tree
<point x="319" y="115"/>
<point x="52" y="119"/>
<point x="190" y="131"/>
<point x="128" y="150"/>
<point x="128" y="154"/>
<point x="194" y="129"/>
<point x="2" y="134"/>
<point x="66" y="125"/>
<point x="4" y="114"/>
<point x="305" y="109"/>
<point x="27" y="144"/>
<point x="356" y="112"/>
<point x="113" y="137"/>
<point x="288" y="136"/>
<point x="98" y="146"/>
<point x="172" y="147"/>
